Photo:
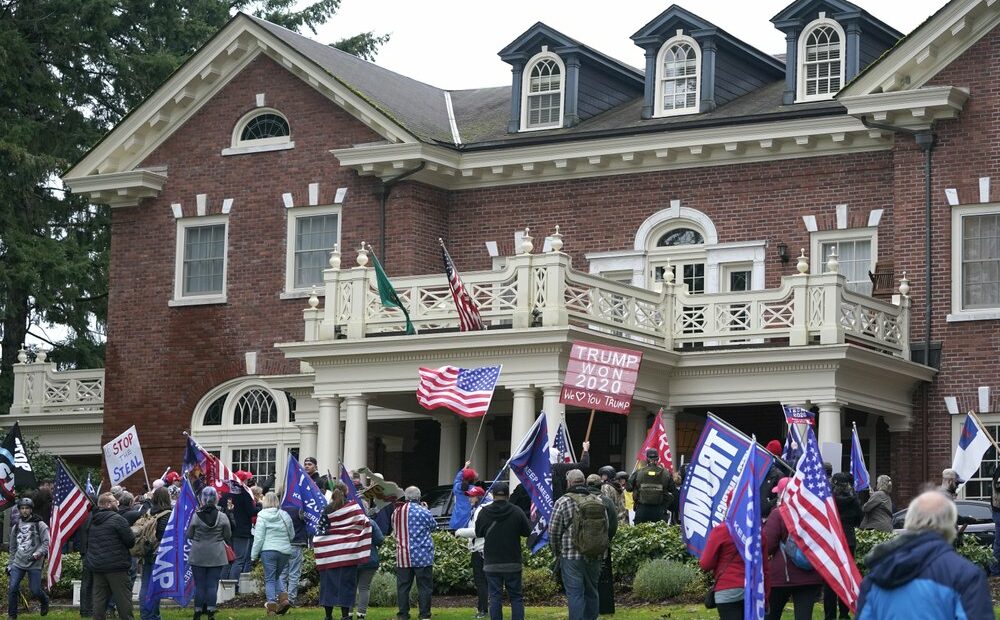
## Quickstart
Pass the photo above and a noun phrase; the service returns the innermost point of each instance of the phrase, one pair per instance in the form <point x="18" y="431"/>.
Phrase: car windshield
<point x="437" y="501"/>
<point x="975" y="510"/>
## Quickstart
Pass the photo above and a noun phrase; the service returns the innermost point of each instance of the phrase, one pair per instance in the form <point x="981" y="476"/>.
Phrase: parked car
<point x="976" y="516"/>
<point x="440" y="502"/>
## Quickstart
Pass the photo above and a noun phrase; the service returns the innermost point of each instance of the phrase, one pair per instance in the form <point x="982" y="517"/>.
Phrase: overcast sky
<point x="453" y="44"/>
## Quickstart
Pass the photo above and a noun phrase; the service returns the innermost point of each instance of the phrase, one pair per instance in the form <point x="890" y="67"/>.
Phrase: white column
<point x="554" y="410"/>
<point x="635" y="434"/>
<point x="477" y="458"/>
<point x="670" y="428"/>
<point x="328" y="430"/>
<point x="522" y="417"/>
<point x="307" y="439"/>
<point x="448" y="450"/>
<point x="830" y="422"/>
<point x="356" y="431"/>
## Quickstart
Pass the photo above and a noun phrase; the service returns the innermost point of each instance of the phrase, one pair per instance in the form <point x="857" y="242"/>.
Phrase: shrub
<point x="72" y="568"/>
<point x="383" y="591"/>
<point x="661" y="580"/>
<point x="539" y="585"/>
<point x="452" y="563"/>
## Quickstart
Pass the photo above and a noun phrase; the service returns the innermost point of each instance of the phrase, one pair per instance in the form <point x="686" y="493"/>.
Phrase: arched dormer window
<point x="263" y="129"/>
<point x="821" y="60"/>
<point x="544" y="87"/>
<point x="678" y="79"/>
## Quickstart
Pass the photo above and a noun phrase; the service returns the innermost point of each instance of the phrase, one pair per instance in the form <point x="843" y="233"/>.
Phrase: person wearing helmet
<point x="653" y="488"/>
<point x="29" y="544"/>
<point x="611" y="490"/>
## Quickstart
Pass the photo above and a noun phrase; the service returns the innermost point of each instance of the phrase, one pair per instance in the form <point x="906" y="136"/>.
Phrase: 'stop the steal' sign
<point x="601" y="377"/>
<point x="123" y="454"/>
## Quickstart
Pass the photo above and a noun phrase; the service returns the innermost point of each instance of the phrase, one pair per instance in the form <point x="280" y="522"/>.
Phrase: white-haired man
<point x="919" y="574"/>
<point x="412" y="524"/>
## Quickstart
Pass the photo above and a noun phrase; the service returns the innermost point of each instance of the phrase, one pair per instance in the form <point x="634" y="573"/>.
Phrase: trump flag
<point x="302" y="494"/>
<point x="172" y="577"/>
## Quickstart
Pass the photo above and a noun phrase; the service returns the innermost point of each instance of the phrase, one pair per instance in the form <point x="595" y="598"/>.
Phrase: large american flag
<point x="814" y="524"/>
<point x="69" y="510"/>
<point x="466" y="391"/>
<point x="347" y="539"/>
<point x="468" y="313"/>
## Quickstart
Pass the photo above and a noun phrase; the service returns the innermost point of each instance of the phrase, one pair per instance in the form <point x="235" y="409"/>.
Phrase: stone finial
<point x="803" y="265"/>
<point x="556" y="242"/>
<point x="40" y="356"/>
<point x="832" y="264"/>
<point x="313" y="297"/>
<point x="526" y="242"/>
<point x="362" y="255"/>
<point x="22" y="356"/>
<point x="904" y="286"/>
<point x="335" y="256"/>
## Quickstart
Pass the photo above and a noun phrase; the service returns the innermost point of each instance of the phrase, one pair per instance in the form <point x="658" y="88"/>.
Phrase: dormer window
<point x="543" y="93"/>
<point x="821" y="54"/>
<point x="678" y="69"/>
<point x="263" y="129"/>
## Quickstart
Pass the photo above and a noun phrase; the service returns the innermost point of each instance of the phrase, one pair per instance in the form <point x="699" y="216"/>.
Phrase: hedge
<point x="71" y="569"/>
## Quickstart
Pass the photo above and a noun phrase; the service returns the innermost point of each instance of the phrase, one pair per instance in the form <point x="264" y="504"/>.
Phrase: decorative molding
<point x="810" y="222"/>
<point x="177" y="209"/>
<point x="260" y="100"/>
<point x="984" y="189"/>
<point x="916" y="109"/>
<point x="118" y="189"/>
<point x="656" y="220"/>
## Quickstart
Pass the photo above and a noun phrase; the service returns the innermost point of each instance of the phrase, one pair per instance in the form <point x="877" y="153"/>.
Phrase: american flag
<point x="69" y="510"/>
<point x="468" y="313"/>
<point x="466" y="391"/>
<point x="814" y="524"/>
<point x="412" y="525"/>
<point x="562" y="444"/>
<point x="217" y="474"/>
<point x="347" y="539"/>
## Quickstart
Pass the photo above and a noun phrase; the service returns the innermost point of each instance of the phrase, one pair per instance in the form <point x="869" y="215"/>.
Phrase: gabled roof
<point x="805" y="10"/>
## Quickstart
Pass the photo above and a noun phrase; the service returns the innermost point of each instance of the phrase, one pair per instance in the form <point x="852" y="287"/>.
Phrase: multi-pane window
<point x="263" y="127"/>
<point x="213" y="415"/>
<point x="260" y="461"/>
<point x="692" y="274"/>
<point x="855" y="258"/>
<point x="204" y="259"/>
<point x="680" y="236"/>
<point x="822" y="62"/>
<point x="544" y="97"/>
<point x="315" y="237"/>
<point x="980" y="261"/>
<point x="978" y="487"/>
<point x="255" y="406"/>
<point x="679" y="77"/>
<point x="739" y="280"/>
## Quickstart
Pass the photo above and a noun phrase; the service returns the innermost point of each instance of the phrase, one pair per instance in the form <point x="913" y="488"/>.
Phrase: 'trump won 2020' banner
<point x="601" y="377"/>
<point x="713" y="471"/>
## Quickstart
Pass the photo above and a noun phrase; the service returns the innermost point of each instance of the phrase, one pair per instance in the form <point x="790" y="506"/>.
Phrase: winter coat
<point x="108" y="542"/>
<point x="274" y="532"/>
<point x="878" y="512"/>
<point x="918" y="576"/>
<point x="301" y="537"/>
<point x="850" y="515"/>
<point x="161" y="529"/>
<point x="502" y="525"/>
<point x="461" y="512"/>
<point x="721" y="558"/>
<point x="209" y="532"/>
<point x="559" y="471"/>
<point x="469" y="531"/>
<point x="782" y="571"/>
<point x="29" y="543"/>
<point x="613" y="492"/>
<point x="242" y="513"/>
<point x="377" y="538"/>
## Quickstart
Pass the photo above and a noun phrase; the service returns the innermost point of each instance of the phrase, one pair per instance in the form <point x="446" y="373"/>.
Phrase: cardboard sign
<point x="123" y="455"/>
<point x="601" y="377"/>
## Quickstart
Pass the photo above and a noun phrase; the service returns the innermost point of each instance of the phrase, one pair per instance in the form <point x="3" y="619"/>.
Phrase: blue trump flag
<point x="710" y="476"/>
<point x="171" y="573"/>
<point x="793" y="445"/>
<point x="352" y="491"/>
<point x="532" y="467"/>
<point x="862" y="480"/>
<point x="302" y="494"/>
<point x="743" y="523"/>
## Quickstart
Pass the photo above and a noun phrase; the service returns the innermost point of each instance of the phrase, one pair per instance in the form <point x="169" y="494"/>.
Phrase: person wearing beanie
<point x="476" y="496"/>
<point x="461" y="513"/>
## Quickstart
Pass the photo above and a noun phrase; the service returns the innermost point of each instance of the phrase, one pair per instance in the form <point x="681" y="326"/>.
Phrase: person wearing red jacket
<point x="788" y="580"/>
<point x="724" y="561"/>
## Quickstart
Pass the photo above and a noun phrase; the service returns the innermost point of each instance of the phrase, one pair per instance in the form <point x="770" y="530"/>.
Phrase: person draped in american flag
<point x="343" y="543"/>
<point x="468" y="312"/>
<point x="412" y="524"/>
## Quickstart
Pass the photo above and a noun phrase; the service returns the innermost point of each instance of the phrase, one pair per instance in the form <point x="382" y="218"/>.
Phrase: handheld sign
<point x="123" y="454"/>
<point x="601" y="377"/>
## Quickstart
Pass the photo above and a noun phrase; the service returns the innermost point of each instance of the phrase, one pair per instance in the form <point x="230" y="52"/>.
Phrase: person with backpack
<point x="606" y="583"/>
<point x="652" y="489"/>
<point x="149" y="530"/>
<point x="789" y="572"/>
<point x="579" y="538"/>
<point x="29" y="545"/>
<point x="611" y="489"/>
<point x="501" y="525"/>
<point x="208" y="534"/>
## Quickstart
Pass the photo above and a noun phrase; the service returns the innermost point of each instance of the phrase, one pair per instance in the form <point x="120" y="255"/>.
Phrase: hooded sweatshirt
<point x="274" y="532"/>
<point x="29" y="543"/>
<point x="918" y="576"/>
<point x="502" y="525"/>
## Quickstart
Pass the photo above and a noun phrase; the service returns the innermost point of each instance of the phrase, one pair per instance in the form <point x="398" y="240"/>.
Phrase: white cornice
<point x="118" y="189"/>
<point x="910" y="108"/>
<point x="732" y="144"/>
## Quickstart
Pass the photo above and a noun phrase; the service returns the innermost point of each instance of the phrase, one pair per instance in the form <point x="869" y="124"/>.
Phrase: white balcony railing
<point x="39" y="388"/>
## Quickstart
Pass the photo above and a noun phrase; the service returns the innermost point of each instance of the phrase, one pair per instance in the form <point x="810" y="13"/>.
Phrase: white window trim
<point x="660" y="111"/>
<point x="957" y="313"/>
<point x="291" y="291"/>
<point x="240" y="147"/>
<point x="800" y="74"/>
<point x="817" y="239"/>
<point x="180" y="299"/>
<point x="728" y="268"/>
<point x="526" y="83"/>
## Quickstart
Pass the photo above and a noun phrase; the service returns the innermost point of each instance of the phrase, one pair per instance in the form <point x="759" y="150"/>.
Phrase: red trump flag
<point x="657" y="438"/>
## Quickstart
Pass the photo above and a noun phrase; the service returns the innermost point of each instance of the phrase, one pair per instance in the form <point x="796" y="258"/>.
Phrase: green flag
<point x="390" y="299"/>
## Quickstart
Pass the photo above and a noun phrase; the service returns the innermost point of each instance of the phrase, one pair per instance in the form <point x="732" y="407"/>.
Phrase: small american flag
<point x="347" y="539"/>
<point x="69" y="509"/>
<point x="562" y="445"/>
<point x="814" y="524"/>
<point x="466" y="391"/>
<point x="468" y="313"/>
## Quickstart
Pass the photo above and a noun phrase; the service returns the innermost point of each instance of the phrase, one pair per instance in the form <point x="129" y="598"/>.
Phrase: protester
<point x="159" y="513"/>
<point x="412" y="524"/>
<point x="578" y="537"/>
<point x="242" y="508"/>
<point x="312" y="470"/>
<point x="723" y="560"/>
<point x="878" y="508"/>
<point x="560" y="469"/>
<point x="109" y="540"/>
<point x="849" y="509"/>
<point x="208" y="535"/>
<point x="86" y="577"/>
<point x="367" y="571"/>
<point x="337" y="585"/>
<point x="606" y="582"/>
<point x="501" y="525"/>
<point x="293" y="571"/>
<point x="919" y="575"/>
<point x="272" y="543"/>
<point x="461" y="511"/>
<point x="995" y="505"/>
<point x="43" y="501"/>
<point x="652" y="488"/>
<point x="611" y="490"/>
<point x="622" y="479"/>
<point x="787" y="572"/>
<point x="29" y="545"/>
<point x="949" y="483"/>
<point x="475" y="495"/>
<point x="520" y="498"/>
<point x="774" y="473"/>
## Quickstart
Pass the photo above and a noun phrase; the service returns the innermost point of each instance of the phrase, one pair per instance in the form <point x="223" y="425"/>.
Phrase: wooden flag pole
<point x="475" y="443"/>
<point x="983" y="428"/>
<point x="590" y="425"/>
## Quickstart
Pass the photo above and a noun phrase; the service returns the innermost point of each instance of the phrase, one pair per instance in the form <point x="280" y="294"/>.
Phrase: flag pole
<point x="482" y="420"/>
<point x="590" y="425"/>
<point x="982" y="427"/>
<point x="69" y="473"/>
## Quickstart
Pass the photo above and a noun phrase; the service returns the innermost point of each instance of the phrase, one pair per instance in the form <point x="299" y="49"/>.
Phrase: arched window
<point x="821" y="60"/>
<point x="265" y="126"/>
<point x="213" y="415"/>
<point x="262" y="129"/>
<point x="255" y="406"/>
<point x="543" y="87"/>
<point x="680" y="236"/>
<point x="678" y="77"/>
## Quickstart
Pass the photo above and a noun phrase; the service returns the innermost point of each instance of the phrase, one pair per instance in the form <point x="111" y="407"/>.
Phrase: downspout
<point x="383" y="189"/>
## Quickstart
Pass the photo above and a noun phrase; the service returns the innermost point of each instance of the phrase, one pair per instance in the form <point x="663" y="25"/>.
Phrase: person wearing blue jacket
<point x="919" y="575"/>
<point x="367" y="571"/>
<point x="462" y="511"/>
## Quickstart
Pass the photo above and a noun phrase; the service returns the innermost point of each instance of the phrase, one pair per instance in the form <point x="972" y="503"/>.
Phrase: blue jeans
<point x="274" y="562"/>
<point x="580" y="579"/>
<point x="14" y="587"/>
<point x="206" y="586"/>
<point x="241" y="547"/>
<point x="289" y="579"/>
<point x="152" y="610"/>
<point x="995" y="570"/>
<point x="496" y="582"/>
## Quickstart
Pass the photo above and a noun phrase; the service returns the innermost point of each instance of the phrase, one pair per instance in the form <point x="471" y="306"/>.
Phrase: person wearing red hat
<point x="242" y="508"/>
<point x="768" y="500"/>
<point x="476" y="495"/>
<point x="462" y="510"/>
